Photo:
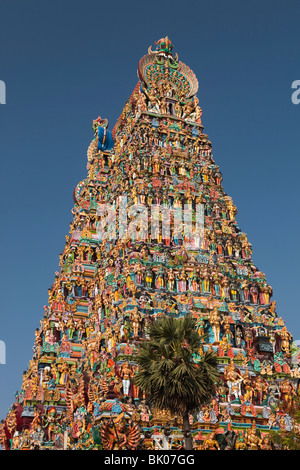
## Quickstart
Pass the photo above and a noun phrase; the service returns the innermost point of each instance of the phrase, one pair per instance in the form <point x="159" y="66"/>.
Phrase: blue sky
<point x="67" y="62"/>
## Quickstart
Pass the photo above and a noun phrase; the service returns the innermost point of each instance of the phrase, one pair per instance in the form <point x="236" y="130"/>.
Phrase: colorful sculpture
<point x="153" y="234"/>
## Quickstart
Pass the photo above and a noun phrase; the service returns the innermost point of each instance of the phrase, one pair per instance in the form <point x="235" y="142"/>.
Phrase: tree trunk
<point x="187" y="432"/>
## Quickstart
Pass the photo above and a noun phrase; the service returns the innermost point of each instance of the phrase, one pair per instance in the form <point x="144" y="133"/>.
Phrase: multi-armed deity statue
<point x="153" y="235"/>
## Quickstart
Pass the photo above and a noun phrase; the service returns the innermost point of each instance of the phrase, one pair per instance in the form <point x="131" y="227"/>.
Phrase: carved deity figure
<point x="126" y="372"/>
<point x="234" y="380"/>
<point x="215" y="321"/>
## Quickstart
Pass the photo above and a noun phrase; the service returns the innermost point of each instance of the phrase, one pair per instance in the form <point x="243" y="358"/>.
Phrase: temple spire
<point x="154" y="235"/>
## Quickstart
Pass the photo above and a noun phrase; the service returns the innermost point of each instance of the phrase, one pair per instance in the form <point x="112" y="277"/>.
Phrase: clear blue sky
<point x="65" y="62"/>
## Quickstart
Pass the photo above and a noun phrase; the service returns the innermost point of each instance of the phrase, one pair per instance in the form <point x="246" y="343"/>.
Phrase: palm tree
<point x="172" y="372"/>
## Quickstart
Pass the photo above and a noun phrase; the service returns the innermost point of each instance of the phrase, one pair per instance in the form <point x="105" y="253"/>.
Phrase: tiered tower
<point x="153" y="235"/>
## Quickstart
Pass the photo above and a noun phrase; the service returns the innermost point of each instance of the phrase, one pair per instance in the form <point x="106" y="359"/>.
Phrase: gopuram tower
<point x="153" y="235"/>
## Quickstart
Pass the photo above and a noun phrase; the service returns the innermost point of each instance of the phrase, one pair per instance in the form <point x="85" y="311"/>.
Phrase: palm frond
<point x="168" y="372"/>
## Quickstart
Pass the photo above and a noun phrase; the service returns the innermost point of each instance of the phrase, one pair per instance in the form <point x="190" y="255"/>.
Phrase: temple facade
<point x="154" y="234"/>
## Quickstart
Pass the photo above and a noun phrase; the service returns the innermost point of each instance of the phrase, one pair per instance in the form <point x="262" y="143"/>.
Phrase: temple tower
<point x="153" y="235"/>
